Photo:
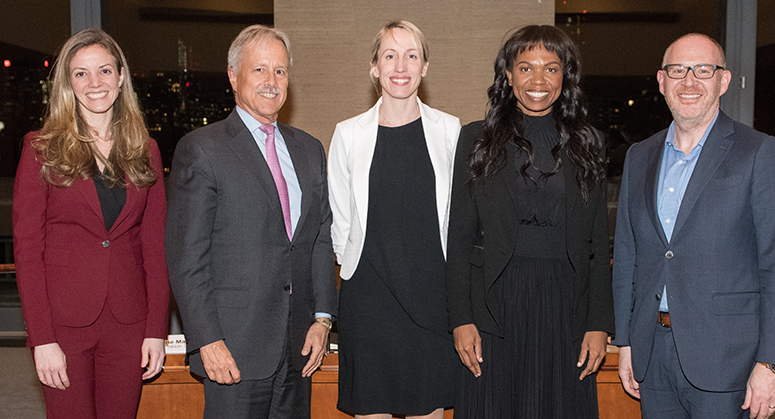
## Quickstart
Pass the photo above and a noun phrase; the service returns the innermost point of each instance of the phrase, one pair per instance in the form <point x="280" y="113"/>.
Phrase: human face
<point x="536" y="79"/>
<point x="400" y="66"/>
<point x="96" y="81"/>
<point x="692" y="101"/>
<point x="261" y="83"/>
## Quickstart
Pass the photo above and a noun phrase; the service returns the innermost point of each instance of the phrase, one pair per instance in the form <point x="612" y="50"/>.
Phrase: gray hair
<point x="259" y="34"/>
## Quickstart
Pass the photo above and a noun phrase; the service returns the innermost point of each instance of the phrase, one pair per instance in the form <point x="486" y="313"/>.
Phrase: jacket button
<point x="669" y="254"/>
<point x="287" y="287"/>
<point x="658" y="296"/>
<point x="591" y="256"/>
<point x="589" y="241"/>
<point x="106" y="243"/>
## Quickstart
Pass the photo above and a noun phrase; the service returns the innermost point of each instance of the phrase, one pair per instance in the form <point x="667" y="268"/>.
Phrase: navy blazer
<point x="483" y="234"/>
<point x="230" y="260"/>
<point x="719" y="266"/>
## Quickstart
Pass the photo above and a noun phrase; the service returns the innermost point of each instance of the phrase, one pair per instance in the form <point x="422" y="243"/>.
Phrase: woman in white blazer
<point x="390" y="174"/>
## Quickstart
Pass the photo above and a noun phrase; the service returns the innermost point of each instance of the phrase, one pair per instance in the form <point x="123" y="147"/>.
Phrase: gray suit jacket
<point x="229" y="257"/>
<point x="719" y="266"/>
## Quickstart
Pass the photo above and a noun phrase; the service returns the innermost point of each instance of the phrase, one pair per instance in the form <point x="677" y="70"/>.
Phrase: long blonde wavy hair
<point x="66" y="142"/>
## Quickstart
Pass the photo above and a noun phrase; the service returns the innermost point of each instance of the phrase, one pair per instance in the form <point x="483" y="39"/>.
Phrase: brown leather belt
<point x="663" y="318"/>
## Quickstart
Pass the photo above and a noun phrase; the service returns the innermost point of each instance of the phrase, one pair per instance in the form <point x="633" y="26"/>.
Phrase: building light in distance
<point x="6" y="63"/>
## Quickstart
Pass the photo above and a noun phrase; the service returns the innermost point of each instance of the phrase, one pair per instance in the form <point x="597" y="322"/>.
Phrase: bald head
<point x="697" y="45"/>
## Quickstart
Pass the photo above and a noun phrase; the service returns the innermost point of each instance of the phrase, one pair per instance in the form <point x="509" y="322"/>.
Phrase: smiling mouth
<point x="537" y="95"/>
<point x="689" y="95"/>
<point x="268" y="95"/>
<point x="96" y="95"/>
<point x="400" y="81"/>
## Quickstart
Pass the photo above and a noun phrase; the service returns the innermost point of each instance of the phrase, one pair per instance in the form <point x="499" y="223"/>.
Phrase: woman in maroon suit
<point x="88" y="220"/>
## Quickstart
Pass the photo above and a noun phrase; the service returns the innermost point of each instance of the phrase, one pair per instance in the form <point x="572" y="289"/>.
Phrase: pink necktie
<point x="277" y="174"/>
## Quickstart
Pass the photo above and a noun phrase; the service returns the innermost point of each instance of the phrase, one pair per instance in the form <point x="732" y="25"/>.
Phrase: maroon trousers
<point x="103" y="366"/>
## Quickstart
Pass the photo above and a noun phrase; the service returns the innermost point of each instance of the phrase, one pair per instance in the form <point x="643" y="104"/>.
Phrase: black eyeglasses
<point x="701" y="71"/>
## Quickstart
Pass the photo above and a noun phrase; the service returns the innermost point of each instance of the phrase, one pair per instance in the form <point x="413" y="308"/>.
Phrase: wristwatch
<point x="770" y="367"/>
<point x="324" y="321"/>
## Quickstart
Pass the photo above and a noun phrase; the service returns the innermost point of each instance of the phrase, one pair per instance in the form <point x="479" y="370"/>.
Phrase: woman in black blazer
<point x="528" y="275"/>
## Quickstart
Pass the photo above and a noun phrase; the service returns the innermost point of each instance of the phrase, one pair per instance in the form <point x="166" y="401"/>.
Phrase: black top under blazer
<point x="482" y="237"/>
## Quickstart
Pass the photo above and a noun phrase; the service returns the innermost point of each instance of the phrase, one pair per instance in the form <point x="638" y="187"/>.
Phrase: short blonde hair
<point x="414" y="31"/>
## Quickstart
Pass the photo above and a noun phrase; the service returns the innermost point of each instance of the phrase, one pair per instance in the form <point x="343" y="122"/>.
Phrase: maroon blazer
<point x="68" y="267"/>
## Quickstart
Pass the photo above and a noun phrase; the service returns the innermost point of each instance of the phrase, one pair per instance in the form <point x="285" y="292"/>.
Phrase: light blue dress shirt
<point x="286" y="165"/>
<point x="674" y="176"/>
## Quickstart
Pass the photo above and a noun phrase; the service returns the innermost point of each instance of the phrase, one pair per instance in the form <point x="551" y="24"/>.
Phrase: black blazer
<point x="482" y="236"/>
<point x="229" y="257"/>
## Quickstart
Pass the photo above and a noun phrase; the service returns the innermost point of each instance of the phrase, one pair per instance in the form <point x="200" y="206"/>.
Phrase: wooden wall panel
<point x="331" y="44"/>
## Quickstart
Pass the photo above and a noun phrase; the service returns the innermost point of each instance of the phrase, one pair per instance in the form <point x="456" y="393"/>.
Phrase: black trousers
<point x="284" y="395"/>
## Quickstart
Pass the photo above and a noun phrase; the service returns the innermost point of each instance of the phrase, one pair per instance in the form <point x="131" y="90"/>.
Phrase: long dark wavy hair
<point x="504" y="121"/>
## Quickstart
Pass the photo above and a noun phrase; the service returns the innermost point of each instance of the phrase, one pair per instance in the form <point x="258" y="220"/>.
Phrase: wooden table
<point x="177" y="394"/>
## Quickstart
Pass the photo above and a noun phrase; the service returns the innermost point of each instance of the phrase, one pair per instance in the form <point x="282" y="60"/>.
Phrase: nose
<point x="690" y="78"/>
<point x="94" y="80"/>
<point x="271" y="79"/>
<point x="400" y="64"/>
<point x="538" y="78"/>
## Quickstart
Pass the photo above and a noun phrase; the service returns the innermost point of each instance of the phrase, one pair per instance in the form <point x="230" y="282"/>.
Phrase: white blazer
<point x="349" y="162"/>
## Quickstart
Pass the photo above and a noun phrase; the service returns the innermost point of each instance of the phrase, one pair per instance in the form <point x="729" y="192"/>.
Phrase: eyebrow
<point x="549" y="63"/>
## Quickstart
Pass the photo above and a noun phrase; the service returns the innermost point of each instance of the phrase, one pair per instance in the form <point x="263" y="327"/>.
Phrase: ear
<point x="726" y="78"/>
<point x="374" y="71"/>
<point x="661" y="80"/>
<point x="120" y="78"/>
<point x="425" y="69"/>
<point x="509" y="76"/>
<point x="232" y="78"/>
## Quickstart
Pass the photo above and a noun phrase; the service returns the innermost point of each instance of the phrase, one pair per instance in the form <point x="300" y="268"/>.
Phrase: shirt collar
<point x="671" y="134"/>
<point x="250" y="122"/>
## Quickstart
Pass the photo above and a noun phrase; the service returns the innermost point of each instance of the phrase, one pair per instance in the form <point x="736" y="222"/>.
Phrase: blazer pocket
<point x="726" y="182"/>
<point x="476" y="257"/>
<point x="231" y="298"/>
<point x="137" y="251"/>
<point x="736" y="303"/>
<point x="56" y="256"/>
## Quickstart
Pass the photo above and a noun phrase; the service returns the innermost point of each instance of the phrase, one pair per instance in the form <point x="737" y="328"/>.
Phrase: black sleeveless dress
<point x="395" y="352"/>
<point x="531" y="372"/>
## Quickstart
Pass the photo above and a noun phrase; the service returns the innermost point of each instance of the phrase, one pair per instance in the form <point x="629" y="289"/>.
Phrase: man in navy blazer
<point x="249" y="244"/>
<point x="694" y="254"/>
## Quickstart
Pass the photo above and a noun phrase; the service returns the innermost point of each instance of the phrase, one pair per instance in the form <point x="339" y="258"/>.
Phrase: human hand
<point x="625" y="372"/>
<point x="468" y="345"/>
<point x="51" y="365"/>
<point x="153" y="357"/>
<point x="760" y="393"/>
<point x="593" y="346"/>
<point x="219" y="364"/>
<point x="315" y="346"/>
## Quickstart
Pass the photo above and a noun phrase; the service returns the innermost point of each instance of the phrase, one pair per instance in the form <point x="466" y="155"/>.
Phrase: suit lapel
<point x="364" y="143"/>
<point x="132" y="195"/>
<point x="89" y="192"/>
<point x="303" y="172"/>
<point x="572" y="192"/>
<point x="653" y="167"/>
<point x="244" y="146"/>
<point x="714" y="151"/>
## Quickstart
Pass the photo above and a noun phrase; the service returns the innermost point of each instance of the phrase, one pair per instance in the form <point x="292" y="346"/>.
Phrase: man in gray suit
<point x="694" y="254"/>
<point x="249" y="246"/>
